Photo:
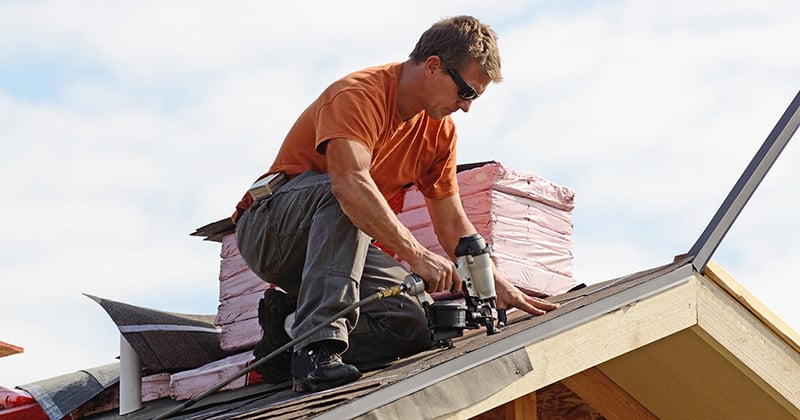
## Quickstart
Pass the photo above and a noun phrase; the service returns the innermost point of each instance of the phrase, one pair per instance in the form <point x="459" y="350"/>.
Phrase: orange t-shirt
<point x="362" y="107"/>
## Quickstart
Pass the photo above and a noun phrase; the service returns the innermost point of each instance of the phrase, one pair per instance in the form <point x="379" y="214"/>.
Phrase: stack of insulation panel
<point x="239" y="292"/>
<point x="526" y="219"/>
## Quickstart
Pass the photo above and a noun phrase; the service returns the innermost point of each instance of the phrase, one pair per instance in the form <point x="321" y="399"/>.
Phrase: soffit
<point x="681" y="376"/>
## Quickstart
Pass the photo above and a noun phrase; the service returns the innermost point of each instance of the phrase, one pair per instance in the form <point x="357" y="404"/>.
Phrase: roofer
<point x="358" y="144"/>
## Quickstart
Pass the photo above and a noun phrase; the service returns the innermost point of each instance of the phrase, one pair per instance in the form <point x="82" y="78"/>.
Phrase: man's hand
<point x="439" y="272"/>
<point x="510" y="296"/>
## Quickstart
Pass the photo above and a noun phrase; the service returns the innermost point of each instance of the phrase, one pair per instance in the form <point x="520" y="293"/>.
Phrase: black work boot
<point x="316" y="367"/>
<point x="272" y="311"/>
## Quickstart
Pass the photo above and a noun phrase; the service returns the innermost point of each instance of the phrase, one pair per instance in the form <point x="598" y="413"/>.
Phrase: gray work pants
<point x="300" y="239"/>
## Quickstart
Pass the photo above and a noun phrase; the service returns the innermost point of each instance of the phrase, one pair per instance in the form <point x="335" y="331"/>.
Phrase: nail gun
<point x="448" y="319"/>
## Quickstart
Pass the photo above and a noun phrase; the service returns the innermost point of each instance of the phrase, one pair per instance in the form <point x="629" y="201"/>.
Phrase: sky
<point x="126" y="125"/>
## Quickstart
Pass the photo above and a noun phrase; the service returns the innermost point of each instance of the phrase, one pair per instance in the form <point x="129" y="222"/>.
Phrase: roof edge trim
<point x="709" y="240"/>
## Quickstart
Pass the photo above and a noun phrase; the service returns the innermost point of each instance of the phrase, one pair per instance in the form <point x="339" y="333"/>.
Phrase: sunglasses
<point x="465" y="91"/>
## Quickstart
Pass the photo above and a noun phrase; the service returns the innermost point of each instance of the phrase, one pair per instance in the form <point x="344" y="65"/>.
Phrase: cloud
<point x="125" y="126"/>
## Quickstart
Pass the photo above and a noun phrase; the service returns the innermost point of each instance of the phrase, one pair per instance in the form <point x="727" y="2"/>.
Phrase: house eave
<point x="677" y="308"/>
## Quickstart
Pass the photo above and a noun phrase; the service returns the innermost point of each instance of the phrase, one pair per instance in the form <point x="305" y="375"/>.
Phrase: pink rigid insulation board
<point x="495" y="176"/>
<point x="229" y="247"/>
<point x="239" y="292"/>
<point x="155" y="387"/>
<point x="231" y="266"/>
<point x="533" y="278"/>
<point x="526" y="219"/>
<point x="543" y="271"/>
<point x="241" y="283"/>
<point x="238" y="308"/>
<point x="491" y="204"/>
<point x="524" y="210"/>
<point x="240" y="335"/>
<point x="190" y="383"/>
<point x="508" y="236"/>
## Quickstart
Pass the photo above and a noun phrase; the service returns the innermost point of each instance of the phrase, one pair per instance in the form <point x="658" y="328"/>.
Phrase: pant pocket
<point x="257" y="243"/>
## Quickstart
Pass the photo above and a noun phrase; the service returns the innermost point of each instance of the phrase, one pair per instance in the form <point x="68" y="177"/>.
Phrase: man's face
<point x="454" y="90"/>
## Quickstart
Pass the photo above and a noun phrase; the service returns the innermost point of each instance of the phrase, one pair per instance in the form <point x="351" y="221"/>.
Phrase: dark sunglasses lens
<point x="466" y="93"/>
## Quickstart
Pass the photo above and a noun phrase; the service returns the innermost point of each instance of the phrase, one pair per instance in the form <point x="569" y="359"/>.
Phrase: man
<point x="367" y="136"/>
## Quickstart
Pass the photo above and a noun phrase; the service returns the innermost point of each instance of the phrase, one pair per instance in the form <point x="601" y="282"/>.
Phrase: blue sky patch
<point x="42" y="79"/>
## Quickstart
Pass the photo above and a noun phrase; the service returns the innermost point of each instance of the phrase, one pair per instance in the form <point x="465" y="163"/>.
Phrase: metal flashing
<point x="744" y="188"/>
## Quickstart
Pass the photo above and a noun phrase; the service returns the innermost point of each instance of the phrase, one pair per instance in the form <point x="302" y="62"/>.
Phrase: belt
<point x="267" y="185"/>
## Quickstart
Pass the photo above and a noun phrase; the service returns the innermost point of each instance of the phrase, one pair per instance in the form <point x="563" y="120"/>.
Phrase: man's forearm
<point x="450" y="222"/>
<point x="363" y="203"/>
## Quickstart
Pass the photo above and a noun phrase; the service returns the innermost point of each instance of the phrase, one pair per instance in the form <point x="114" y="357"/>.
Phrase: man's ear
<point x="433" y="64"/>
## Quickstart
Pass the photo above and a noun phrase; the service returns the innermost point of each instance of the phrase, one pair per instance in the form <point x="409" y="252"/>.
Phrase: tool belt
<point x="264" y="187"/>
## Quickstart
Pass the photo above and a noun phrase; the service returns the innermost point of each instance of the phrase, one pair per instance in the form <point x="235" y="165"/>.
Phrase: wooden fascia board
<point x="737" y="334"/>
<point x="592" y="343"/>
<point x="721" y="278"/>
